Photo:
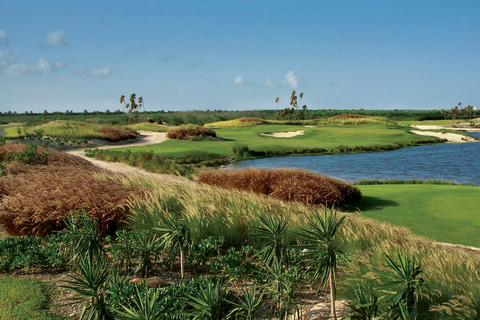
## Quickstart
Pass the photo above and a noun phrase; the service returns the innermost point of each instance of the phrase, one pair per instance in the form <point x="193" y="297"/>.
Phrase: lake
<point x="458" y="162"/>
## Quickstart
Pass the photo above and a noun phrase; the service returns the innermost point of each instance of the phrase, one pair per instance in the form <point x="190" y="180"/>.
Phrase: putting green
<point x="442" y="212"/>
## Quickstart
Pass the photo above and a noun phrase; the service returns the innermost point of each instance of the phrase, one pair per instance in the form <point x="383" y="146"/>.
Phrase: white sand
<point x="284" y="134"/>
<point x="451" y="137"/>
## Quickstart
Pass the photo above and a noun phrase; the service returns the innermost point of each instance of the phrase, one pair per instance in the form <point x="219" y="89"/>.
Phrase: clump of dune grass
<point x="285" y="184"/>
<point x="83" y="130"/>
<point x="190" y="130"/>
<point x="449" y="272"/>
<point x="147" y="126"/>
<point x="349" y="116"/>
<point x="237" y="123"/>
<point x="35" y="199"/>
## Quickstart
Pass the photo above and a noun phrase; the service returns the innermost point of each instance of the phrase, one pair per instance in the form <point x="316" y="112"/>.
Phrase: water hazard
<point x="458" y="162"/>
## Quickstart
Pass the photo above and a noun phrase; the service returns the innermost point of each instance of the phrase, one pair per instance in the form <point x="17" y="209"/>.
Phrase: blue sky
<point x="229" y="55"/>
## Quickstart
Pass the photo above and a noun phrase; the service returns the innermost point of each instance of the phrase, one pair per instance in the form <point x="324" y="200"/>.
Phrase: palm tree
<point x="323" y="248"/>
<point x="175" y="236"/>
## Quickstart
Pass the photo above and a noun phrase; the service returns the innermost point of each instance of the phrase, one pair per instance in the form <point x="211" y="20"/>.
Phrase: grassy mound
<point x="189" y="130"/>
<point x="285" y="184"/>
<point x="82" y="130"/>
<point x="237" y="123"/>
<point x="36" y="197"/>
<point x="147" y="126"/>
<point x="349" y="116"/>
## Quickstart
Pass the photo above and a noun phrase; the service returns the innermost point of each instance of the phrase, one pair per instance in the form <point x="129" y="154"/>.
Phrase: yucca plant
<point x="323" y="248"/>
<point x="147" y="305"/>
<point x="146" y="247"/>
<point x="208" y="302"/>
<point x="89" y="282"/>
<point x="82" y="235"/>
<point x="248" y="304"/>
<point x="175" y="236"/>
<point x="364" y="304"/>
<point x="272" y="233"/>
<point x="404" y="283"/>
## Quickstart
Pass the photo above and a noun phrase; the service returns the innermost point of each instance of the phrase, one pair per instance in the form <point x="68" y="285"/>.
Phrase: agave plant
<point x="364" y="304"/>
<point x="323" y="248"/>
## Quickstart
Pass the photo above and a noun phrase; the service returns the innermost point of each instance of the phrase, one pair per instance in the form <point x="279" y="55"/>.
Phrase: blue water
<point x="458" y="162"/>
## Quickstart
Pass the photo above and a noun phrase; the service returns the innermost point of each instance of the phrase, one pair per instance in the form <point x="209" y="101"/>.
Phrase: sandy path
<point x="147" y="138"/>
<point x="451" y="137"/>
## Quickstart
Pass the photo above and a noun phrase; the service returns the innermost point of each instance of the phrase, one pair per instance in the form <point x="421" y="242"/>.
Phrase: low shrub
<point x="349" y="116"/>
<point x="34" y="199"/>
<point x="252" y="119"/>
<point x="189" y="130"/>
<point x="115" y="134"/>
<point x="285" y="184"/>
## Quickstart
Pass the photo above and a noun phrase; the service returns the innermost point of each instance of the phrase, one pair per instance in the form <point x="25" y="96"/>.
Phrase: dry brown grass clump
<point x="189" y="130"/>
<point x="115" y="134"/>
<point x="285" y="184"/>
<point x="34" y="199"/>
<point x="252" y="119"/>
<point x="349" y="116"/>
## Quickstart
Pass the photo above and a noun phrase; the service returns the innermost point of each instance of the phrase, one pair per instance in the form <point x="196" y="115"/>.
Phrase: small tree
<point x="323" y="248"/>
<point x="294" y="111"/>
<point x="132" y="107"/>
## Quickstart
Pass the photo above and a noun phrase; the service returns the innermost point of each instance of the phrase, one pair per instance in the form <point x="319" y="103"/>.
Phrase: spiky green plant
<point x="404" y="283"/>
<point x="89" y="282"/>
<point x="364" y="304"/>
<point x="272" y="233"/>
<point x="323" y="248"/>
<point x="82" y="235"/>
<point x="209" y="301"/>
<point x="248" y="304"/>
<point x="146" y="305"/>
<point x="175" y="236"/>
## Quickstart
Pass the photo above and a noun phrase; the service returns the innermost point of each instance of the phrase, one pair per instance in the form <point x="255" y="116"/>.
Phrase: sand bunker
<point x="284" y="134"/>
<point x="451" y="137"/>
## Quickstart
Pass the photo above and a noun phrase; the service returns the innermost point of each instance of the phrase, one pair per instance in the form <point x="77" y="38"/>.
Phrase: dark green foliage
<point x="272" y="234"/>
<point x="29" y="252"/>
<point x="137" y="249"/>
<point x="364" y="303"/>
<point x="248" y="304"/>
<point x="240" y="151"/>
<point x="202" y="251"/>
<point x="234" y="264"/>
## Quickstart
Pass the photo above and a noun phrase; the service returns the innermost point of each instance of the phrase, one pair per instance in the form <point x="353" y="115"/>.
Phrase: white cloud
<point x="7" y="58"/>
<point x="4" y="37"/>
<point x="269" y="83"/>
<point x="55" y="39"/>
<point x="43" y="67"/>
<point x="291" y="80"/>
<point x="238" y="80"/>
<point x="100" y="73"/>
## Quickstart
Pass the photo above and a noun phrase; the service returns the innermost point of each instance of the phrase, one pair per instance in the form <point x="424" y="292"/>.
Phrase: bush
<point x="115" y="134"/>
<point x="189" y="130"/>
<point x="285" y="184"/>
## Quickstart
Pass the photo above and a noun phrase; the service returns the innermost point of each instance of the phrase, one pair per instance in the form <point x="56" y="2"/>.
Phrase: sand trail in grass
<point x="147" y="138"/>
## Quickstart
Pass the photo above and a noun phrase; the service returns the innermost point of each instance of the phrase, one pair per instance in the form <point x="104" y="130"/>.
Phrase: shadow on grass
<point x="375" y="203"/>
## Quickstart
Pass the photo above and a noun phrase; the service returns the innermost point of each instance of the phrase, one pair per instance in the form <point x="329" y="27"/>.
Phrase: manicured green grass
<point x="443" y="212"/>
<point x="22" y="299"/>
<point x="318" y="137"/>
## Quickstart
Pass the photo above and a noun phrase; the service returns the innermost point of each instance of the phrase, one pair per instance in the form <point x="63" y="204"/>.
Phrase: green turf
<point x="318" y="137"/>
<point x="442" y="212"/>
<point x="22" y="299"/>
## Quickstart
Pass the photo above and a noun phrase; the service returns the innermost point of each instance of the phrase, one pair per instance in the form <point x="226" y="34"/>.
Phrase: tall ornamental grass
<point x="210" y="211"/>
